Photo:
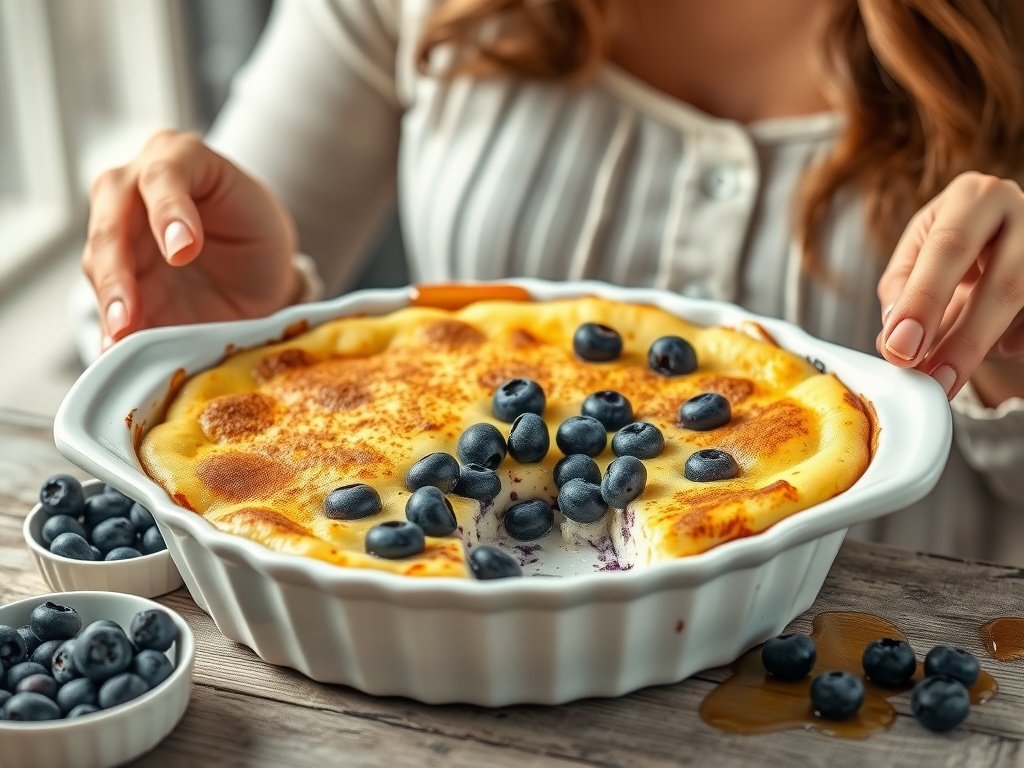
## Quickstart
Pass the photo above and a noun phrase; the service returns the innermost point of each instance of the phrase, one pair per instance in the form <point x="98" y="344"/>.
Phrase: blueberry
<point x="12" y="647"/>
<point x="120" y="689"/>
<point x="492" y="563"/>
<point x="82" y="709"/>
<point x="482" y="444"/>
<point x="576" y="465"/>
<point x="122" y="553"/>
<point x="672" y="356"/>
<point x="516" y="397"/>
<point x="837" y="694"/>
<point x="58" y="524"/>
<point x="439" y="469"/>
<point x="75" y="693"/>
<point x="141" y="518"/>
<point x="43" y="655"/>
<point x="624" y="480"/>
<point x="940" y="703"/>
<point x="609" y="407"/>
<point x="30" y="707"/>
<point x="641" y="439"/>
<point x="32" y="641"/>
<point x="104" y="506"/>
<point x="596" y="343"/>
<point x="72" y="546"/>
<point x="19" y="672"/>
<point x="581" y="434"/>
<point x="108" y="488"/>
<point x="96" y="554"/>
<point x="44" y="685"/>
<point x="889" y="661"/>
<point x="62" y="495"/>
<point x="352" y="502"/>
<point x="152" y="666"/>
<point x="153" y="629"/>
<point x="477" y="482"/>
<point x="789" y="657"/>
<point x="430" y="509"/>
<point x="710" y="464"/>
<point x="4" y="696"/>
<point x="581" y="501"/>
<point x="55" y="622"/>
<point x="528" y="439"/>
<point x="152" y="541"/>
<point x="706" y="411"/>
<point x="109" y="623"/>
<point x="395" y="539"/>
<point x="113" y="533"/>
<point x="62" y="665"/>
<point x="956" y="663"/>
<point x="101" y="652"/>
<point x="529" y="520"/>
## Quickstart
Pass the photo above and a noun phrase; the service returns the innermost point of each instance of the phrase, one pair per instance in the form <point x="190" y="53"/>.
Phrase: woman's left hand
<point x="953" y="292"/>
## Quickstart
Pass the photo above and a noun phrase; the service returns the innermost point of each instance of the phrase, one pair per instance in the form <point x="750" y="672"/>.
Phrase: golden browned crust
<point x="256" y="443"/>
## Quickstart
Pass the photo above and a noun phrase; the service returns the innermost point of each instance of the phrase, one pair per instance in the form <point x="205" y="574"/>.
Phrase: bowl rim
<point x="185" y="653"/>
<point x="925" y="450"/>
<point x="39" y="549"/>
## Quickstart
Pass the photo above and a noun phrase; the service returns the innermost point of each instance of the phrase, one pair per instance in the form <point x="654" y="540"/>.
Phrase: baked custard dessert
<point x="434" y="442"/>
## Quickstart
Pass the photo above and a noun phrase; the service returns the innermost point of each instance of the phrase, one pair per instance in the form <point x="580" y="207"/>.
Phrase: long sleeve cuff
<point x="312" y="284"/>
<point x="992" y="441"/>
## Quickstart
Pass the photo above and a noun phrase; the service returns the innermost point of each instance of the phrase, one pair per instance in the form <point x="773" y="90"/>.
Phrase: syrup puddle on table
<point x="1004" y="638"/>
<point x="752" y="701"/>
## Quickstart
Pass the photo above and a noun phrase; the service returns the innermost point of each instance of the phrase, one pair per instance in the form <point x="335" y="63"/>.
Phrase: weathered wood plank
<point x="246" y="712"/>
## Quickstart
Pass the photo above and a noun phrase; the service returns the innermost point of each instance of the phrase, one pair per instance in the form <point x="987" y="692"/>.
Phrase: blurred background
<point x="83" y="83"/>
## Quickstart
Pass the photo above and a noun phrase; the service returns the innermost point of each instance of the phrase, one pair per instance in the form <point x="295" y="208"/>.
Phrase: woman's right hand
<point x="180" y="235"/>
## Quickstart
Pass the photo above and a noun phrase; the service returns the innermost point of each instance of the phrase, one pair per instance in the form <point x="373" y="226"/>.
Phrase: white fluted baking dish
<point x="542" y="640"/>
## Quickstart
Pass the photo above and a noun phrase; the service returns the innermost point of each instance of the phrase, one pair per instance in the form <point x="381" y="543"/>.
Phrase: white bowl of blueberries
<point x="90" y="678"/>
<point x="90" y="536"/>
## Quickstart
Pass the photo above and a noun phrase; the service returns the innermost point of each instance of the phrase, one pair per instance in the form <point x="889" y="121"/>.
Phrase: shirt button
<point x="698" y="289"/>
<point x="721" y="182"/>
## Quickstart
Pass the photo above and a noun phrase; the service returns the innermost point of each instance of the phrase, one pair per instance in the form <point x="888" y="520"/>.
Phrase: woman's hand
<point x="180" y="235"/>
<point x="953" y="292"/>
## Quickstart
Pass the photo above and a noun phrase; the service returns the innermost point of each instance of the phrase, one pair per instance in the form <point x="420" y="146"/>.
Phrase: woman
<point x="846" y="165"/>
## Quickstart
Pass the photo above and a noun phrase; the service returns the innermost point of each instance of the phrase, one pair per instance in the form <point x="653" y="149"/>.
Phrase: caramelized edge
<point x="454" y="296"/>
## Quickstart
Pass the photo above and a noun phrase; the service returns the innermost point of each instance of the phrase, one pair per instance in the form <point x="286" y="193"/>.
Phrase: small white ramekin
<point x="146" y="576"/>
<point x="113" y="736"/>
<point x="531" y="640"/>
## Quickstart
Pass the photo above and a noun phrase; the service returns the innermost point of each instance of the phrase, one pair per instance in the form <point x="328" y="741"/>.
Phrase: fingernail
<point x="106" y="343"/>
<point x="117" y="317"/>
<point x="946" y="377"/>
<point x="886" y="312"/>
<point x="176" y="238"/>
<point x="905" y="339"/>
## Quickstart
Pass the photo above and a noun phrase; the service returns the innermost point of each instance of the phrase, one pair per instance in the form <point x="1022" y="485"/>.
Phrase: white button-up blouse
<point x="610" y="180"/>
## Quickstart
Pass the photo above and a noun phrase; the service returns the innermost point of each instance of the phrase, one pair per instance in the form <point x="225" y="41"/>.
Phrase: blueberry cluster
<point x="584" y="496"/>
<point x="668" y="356"/>
<point x="940" y="701"/>
<point x="428" y="511"/>
<point x="54" y="668"/>
<point x="105" y="526"/>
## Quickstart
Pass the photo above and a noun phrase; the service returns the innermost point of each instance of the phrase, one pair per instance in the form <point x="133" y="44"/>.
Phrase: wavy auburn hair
<point x="929" y="88"/>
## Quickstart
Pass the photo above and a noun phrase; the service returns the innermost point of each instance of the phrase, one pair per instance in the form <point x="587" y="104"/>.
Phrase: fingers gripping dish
<point x="728" y="434"/>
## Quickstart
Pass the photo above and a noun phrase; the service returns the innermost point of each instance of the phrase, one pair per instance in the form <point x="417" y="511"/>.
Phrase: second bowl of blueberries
<point x="85" y="535"/>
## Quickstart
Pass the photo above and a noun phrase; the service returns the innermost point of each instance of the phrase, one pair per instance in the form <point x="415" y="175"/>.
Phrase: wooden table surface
<point x="247" y="713"/>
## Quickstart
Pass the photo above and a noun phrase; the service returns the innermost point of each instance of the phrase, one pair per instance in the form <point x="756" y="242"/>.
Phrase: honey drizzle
<point x="751" y="701"/>
<point x="1004" y="638"/>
